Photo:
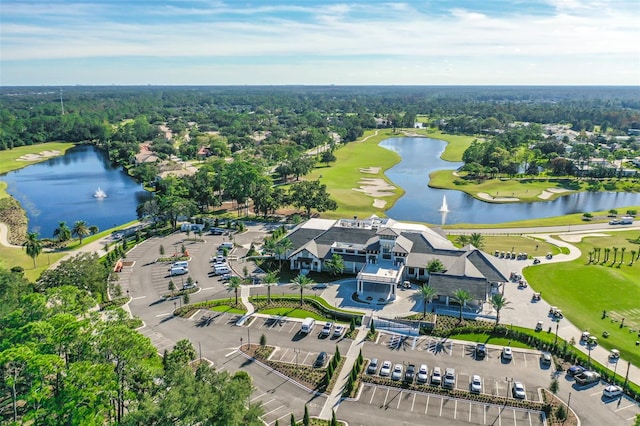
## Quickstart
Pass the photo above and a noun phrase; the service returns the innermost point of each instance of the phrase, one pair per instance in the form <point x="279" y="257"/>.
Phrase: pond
<point x="64" y="188"/>
<point x="421" y="156"/>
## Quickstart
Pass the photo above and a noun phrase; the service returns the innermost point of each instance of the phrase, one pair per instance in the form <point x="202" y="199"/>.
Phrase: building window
<point x="411" y="271"/>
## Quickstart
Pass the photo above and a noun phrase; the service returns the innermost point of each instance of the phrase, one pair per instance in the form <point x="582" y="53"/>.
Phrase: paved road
<point x="218" y="338"/>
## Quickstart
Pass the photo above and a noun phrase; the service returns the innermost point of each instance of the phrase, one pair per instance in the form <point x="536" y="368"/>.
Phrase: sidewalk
<point x="333" y="401"/>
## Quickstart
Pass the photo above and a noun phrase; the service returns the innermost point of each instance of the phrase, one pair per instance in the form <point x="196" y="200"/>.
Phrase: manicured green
<point x="531" y="246"/>
<point x="296" y="298"/>
<point x="230" y="309"/>
<point x="487" y="338"/>
<point x="567" y="220"/>
<point x="294" y="313"/>
<point x="583" y="291"/>
<point x="344" y="175"/>
<point x="8" y="159"/>
<point x="456" y="144"/>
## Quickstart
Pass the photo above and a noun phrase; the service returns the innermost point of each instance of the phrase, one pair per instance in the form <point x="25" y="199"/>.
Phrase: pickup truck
<point x="587" y="377"/>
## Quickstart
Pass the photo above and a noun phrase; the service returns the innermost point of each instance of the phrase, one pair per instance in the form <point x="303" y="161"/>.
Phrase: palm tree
<point x="33" y="246"/>
<point x="615" y="254"/>
<point x="477" y="240"/>
<point x="301" y="282"/>
<point x="427" y="294"/>
<point x="234" y="283"/>
<point x="62" y="233"/>
<point x="80" y="230"/>
<point x="93" y="229"/>
<point x="622" y="250"/>
<point x="281" y="248"/>
<point x="633" y="257"/>
<point x="435" y="266"/>
<point x="462" y="297"/>
<point x="335" y="265"/>
<point x="498" y="302"/>
<point x="462" y="240"/>
<point x="269" y="280"/>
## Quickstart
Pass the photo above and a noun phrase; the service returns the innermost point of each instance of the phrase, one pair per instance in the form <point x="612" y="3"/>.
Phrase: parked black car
<point x="410" y="374"/>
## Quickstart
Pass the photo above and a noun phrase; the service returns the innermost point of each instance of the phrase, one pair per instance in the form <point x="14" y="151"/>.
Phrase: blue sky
<point x="216" y="42"/>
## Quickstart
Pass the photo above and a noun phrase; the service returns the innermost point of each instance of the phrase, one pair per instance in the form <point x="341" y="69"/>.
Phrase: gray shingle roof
<point x="447" y="285"/>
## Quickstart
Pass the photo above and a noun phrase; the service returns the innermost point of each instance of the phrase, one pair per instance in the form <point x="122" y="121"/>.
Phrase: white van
<point x="221" y="269"/>
<point x="226" y="245"/>
<point x="180" y="264"/>
<point x="178" y="271"/>
<point x="307" y="325"/>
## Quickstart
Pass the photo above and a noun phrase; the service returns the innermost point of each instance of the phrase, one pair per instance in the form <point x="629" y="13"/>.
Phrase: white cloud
<point x="387" y="32"/>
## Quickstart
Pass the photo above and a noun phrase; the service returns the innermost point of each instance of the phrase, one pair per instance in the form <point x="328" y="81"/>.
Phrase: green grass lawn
<point x="294" y="313"/>
<point x="456" y="146"/>
<point x="230" y="309"/>
<point x="583" y="291"/>
<point x="488" y="339"/>
<point x="8" y="158"/>
<point x="531" y="246"/>
<point x="344" y="175"/>
<point x="567" y="220"/>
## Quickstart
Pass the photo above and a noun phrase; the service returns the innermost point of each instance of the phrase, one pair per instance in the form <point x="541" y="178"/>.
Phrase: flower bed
<point x="311" y="377"/>
<point x="554" y="403"/>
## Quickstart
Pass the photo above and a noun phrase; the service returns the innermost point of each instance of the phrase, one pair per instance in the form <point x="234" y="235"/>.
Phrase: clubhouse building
<point x="384" y="253"/>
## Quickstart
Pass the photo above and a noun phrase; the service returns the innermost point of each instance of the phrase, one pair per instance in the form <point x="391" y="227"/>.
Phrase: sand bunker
<point x="372" y="170"/>
<point x="375" y="187"/>
<point x="39" y="156"/>
<point x="487" y="197"/>
<point x="576" y="238"/>
<point x="379" y="204"/>
<point x="547" y="193"/>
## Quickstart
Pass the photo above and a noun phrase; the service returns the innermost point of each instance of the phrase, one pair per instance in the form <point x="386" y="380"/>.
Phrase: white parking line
<point x="164" y="315"/>
<point x="305" y="358"/>
<point x="282" y="417"/>
<point x="441" y="405"/>
<point x="469" y="412"/>
<point x="529" y="416"/>
<point x="266" y="414"/>
<point x="259" y="396"/>
<point x="596" y="393"/>
<point x="484" y="414"/>
<point x="384" y="404"/>
<point x="624" y="408"/>
<point x="139" y="297"/>
<point x="372" y="394"/>
<point x="285" y="352"/>
<point x="455" y="409"/>
<point x="292" y="327"/>
<point x="427" y="407"/>
<point x="399" y="399"/>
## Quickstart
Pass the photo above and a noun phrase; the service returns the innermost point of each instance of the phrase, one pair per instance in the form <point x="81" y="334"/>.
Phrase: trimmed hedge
<point x="260" y="302"/>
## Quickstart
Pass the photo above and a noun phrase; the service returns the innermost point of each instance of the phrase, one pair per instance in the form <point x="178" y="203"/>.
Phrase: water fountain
<point x="445" y="207"/>
<point x="100" y="193"/>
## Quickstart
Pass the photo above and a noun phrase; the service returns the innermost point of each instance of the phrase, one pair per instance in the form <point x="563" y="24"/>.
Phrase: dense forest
<point x="63" y="362"/>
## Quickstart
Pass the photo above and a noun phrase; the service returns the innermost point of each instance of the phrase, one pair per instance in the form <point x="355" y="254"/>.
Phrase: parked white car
<point x="397" y="372"/>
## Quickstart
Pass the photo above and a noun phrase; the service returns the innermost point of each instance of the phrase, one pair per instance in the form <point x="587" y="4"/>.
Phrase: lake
<point x="63" y="188"/>
<point x="421" y="156"/>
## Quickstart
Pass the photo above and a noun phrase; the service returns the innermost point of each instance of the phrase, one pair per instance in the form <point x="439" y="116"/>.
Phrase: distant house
<point x="383" y="253"/>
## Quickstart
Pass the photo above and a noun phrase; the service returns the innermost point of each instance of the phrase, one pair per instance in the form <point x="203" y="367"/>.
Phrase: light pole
<point x="248" y="337"/>
<point x="557" y="325"/>
<point x="175" y="304"/>
<point x="568" y="408"/>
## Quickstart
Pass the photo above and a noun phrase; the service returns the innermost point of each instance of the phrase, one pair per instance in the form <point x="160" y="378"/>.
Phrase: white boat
<point x="100" y="193"/>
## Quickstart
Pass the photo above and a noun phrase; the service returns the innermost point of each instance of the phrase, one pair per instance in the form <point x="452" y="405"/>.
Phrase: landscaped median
<point x="220" y="305"/>
<point x="458" y="394"/>
<point x="313" y="378"/>
<point x="313" y="306"/>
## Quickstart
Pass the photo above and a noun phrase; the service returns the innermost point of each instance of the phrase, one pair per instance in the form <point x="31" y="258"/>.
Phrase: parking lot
<point x="384" y="399"/>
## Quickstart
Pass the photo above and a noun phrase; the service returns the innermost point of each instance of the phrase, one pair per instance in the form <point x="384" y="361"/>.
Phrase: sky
<point x="319" y="42"/>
